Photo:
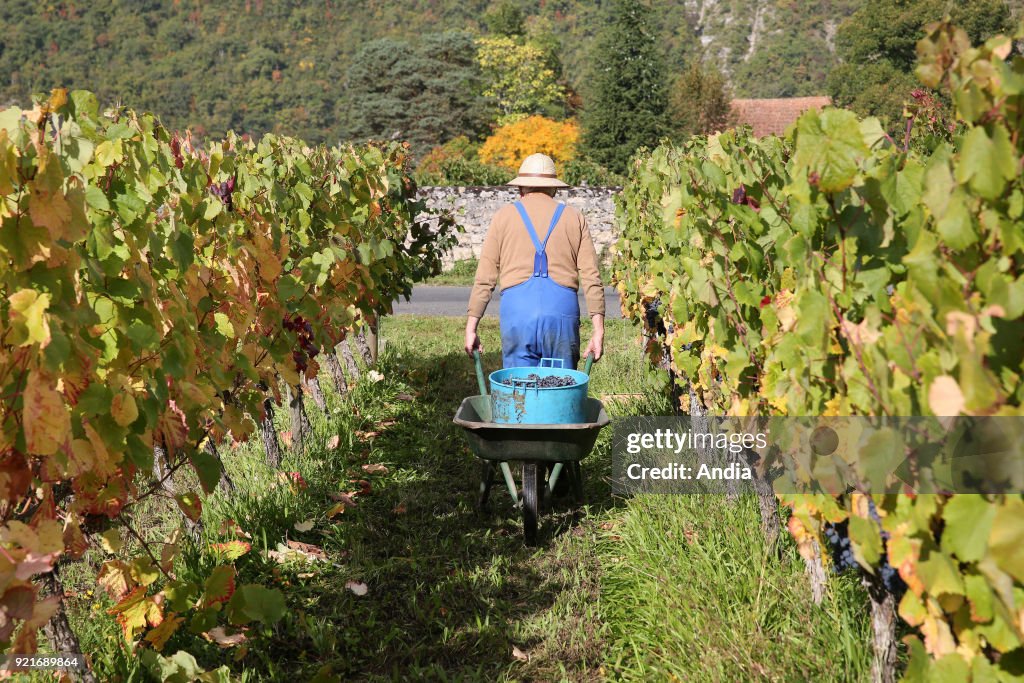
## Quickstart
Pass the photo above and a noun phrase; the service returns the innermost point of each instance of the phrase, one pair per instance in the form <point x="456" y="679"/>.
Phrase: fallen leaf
<point x="374" y="376"/>
<point x="336" y="510"/>
<point x="345" y="499"/>
<point x="296" y="551"/>
<point x="286" y="437"/>
<point x="278" y="556"/>
<point x="306" y="575"/>
<point x="292" y="479"/>
<point x="519" y="654"/>
<point x="388" y="423"/>
<point x="375" y="469"/>
<point x="305" y="526"/>
<point x="333" y="442"/>
<point x="357" y="587"/>
<point x="360" y="434"/>
<point x="405" y="397"/>
<point x="308" y="549"/>
<point x="220" y="636"/>
<point x="399" y="509"/>
<point x="231" y="527"/>
<point x="364" y="487"/>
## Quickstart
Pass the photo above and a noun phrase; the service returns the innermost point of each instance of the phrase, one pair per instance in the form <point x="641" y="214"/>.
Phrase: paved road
<point x="451" y="301"/>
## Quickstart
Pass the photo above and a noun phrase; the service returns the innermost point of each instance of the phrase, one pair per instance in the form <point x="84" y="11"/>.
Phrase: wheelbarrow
<point x="535" y="445"/>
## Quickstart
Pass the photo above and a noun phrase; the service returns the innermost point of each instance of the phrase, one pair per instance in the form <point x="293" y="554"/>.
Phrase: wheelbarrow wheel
<point x="531" y="501"/>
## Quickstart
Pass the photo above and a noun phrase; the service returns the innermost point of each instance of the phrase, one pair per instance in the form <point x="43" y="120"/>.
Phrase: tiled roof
<point x="773" y="116"/>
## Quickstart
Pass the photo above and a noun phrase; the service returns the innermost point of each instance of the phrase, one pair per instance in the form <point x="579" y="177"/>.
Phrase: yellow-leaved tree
<point x="518" y="78"/>
<point x="513" y="142"/>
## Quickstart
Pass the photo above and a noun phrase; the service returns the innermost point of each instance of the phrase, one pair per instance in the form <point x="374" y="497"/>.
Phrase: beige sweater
<point x="508" y="253"/>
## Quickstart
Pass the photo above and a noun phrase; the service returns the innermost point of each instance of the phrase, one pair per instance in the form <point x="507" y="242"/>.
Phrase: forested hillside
<point x="312" y="68"/>
<point x="286" y="65"/>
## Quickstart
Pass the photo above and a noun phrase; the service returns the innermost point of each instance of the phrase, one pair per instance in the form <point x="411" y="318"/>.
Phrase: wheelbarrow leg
<point x="510" y="482"/>
<point x="486" y="480"/>
<point x="549" y="488"/>
<point x="576" y="470"/>
<point x="531" y="501"/>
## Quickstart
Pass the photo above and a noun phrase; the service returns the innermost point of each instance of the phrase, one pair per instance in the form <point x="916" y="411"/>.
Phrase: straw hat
<point x="537" y="170"/>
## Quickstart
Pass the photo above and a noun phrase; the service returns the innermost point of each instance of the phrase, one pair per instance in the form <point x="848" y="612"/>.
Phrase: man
<point x="543" y="253"/>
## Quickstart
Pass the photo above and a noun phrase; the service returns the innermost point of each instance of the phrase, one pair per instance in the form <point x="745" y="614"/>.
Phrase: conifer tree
<point x="700" y="102"/>
<point x="626" y="103"/>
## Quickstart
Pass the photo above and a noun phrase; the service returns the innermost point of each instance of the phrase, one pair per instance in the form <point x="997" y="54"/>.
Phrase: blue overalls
<point x="539" y="317"/>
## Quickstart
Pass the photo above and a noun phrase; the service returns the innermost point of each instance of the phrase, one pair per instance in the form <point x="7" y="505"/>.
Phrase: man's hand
<point x="472" y="340"/>
<point x="596" y="345"/>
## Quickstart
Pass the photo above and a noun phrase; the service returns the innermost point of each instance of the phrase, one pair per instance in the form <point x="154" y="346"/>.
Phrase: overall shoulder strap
<point x="529" y="227"/>
<point x="554" y="221"/>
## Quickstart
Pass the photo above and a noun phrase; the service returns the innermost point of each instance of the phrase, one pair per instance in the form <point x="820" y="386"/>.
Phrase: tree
<point x="878" y="47"/>
<point x="517" y="79"/>
<point x="625" y="106"/>
<point x="513" y="142"/>
<point x="700" y="102"/>
<point x="506" y="20"/>
<point x="426" y="92"/>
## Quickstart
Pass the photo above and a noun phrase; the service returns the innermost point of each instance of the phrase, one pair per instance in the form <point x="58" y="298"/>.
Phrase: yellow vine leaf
<point x="123" y="409"/>
<point x="159" y="636"/>
<point x="46" y="421"/>
<point x="29" y="324"/>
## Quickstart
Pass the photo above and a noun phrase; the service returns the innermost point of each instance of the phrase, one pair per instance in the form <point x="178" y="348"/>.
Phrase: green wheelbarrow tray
<point x="538" y="446"/>
<point x="536" y="442"/>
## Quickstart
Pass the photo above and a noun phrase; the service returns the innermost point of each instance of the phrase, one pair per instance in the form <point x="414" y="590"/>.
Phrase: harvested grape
<point x="550" y="382"/>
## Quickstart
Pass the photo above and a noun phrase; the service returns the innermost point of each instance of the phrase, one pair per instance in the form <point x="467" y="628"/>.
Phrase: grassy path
<point x="657" y="588"/>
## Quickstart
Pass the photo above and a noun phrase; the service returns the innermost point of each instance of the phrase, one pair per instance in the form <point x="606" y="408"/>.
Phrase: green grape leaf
<point x="829" y="148"/>
<point x="968" y="520"/>
<point x="986" y="162"/>
<point x="253" y="602"/>
<point x="207" y="467"/>
<point x="1006" y="539"/>
<point x="866" y="541"/>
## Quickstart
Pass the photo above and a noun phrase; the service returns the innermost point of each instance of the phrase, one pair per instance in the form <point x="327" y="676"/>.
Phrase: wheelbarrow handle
<point x="589" y="364"/>
<point x="479" y="373"/>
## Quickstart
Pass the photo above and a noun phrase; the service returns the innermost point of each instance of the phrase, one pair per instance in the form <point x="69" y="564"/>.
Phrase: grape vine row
<point x="151" y="290"/>
<point x="841" y="272"/>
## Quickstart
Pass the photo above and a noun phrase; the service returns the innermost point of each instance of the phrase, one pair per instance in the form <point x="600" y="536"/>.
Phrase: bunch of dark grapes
<point x="840" y="548"/>
<point x="655" y="322"/>
<point x="223" y="190"/>
<point x="740" y="196"/>
<point x="652" y="316"/>
<point x="842" y="553"/>
<point x="551" y="382"/>
<point x="888" y="575"/>
<point x="304" y="333"/>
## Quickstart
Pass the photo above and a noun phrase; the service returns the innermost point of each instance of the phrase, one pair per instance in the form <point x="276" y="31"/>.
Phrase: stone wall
<point x="475" y="206"/>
